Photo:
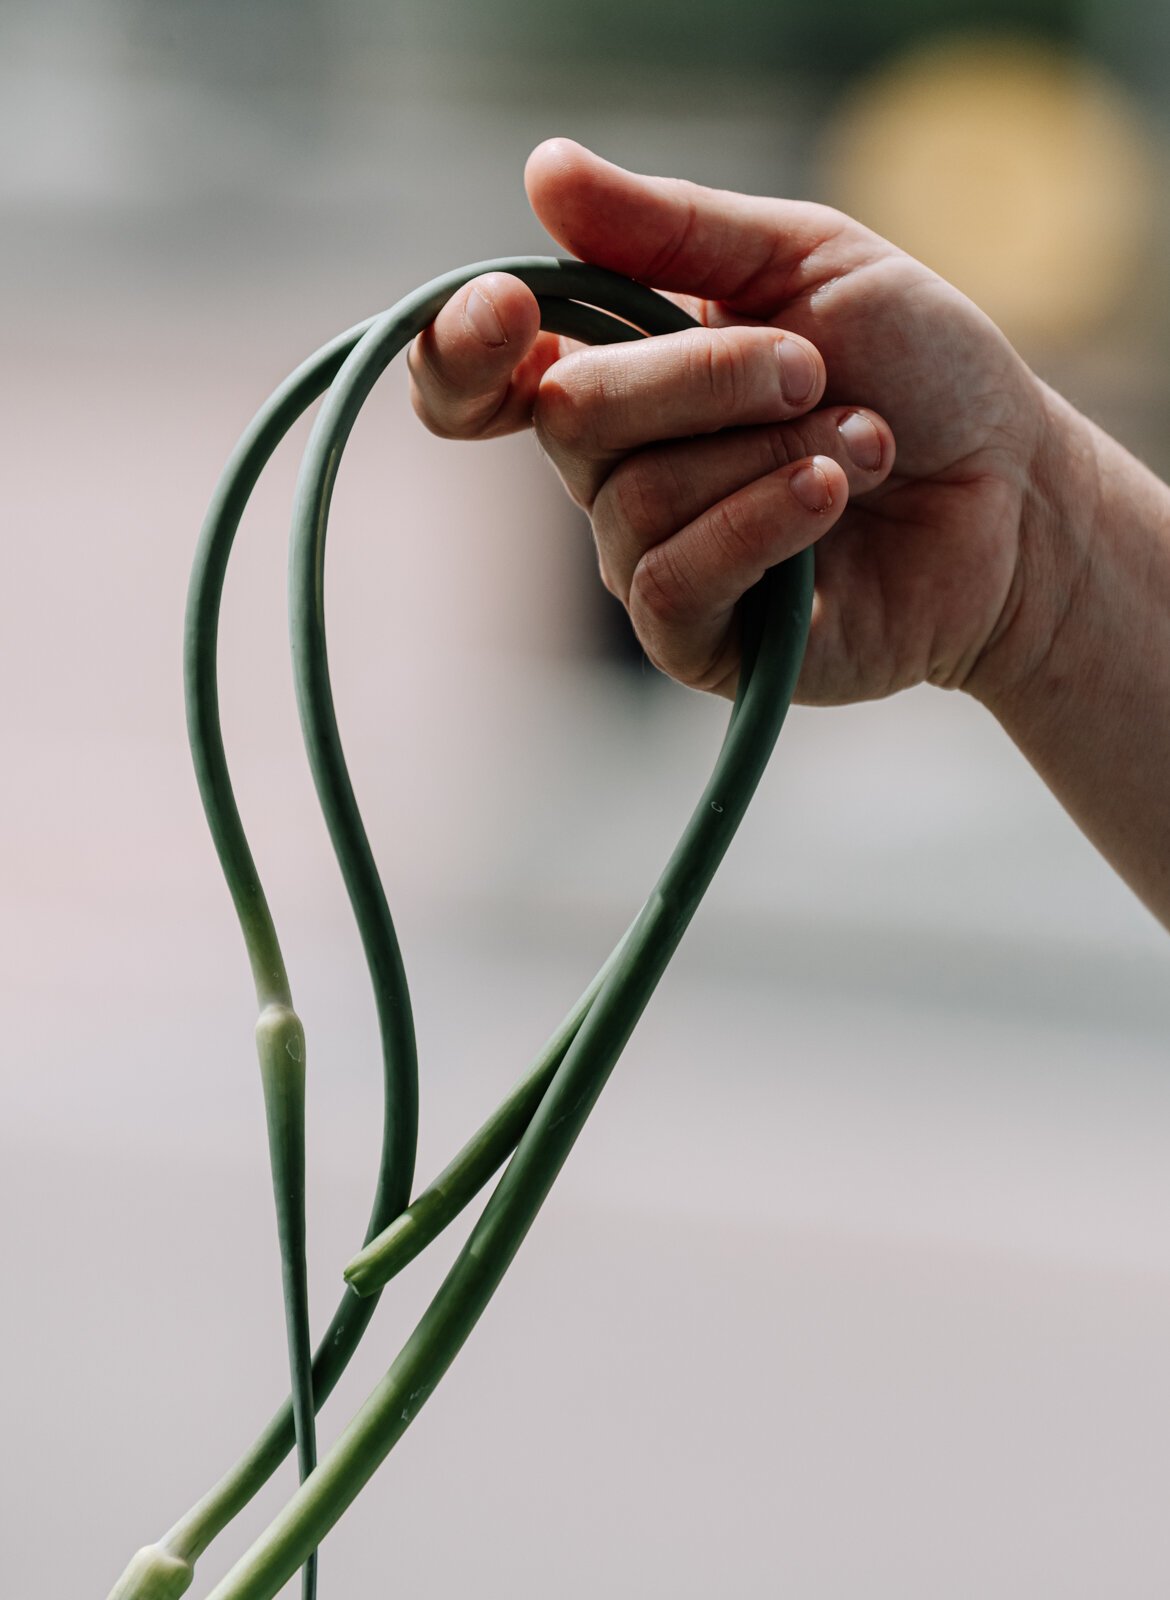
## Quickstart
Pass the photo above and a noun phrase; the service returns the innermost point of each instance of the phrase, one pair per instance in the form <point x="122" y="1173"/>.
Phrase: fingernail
<point x="862" y="440"/>
<point x="811" y="487"/>
<point x="480" y="316"/>
<point x="798" y="371"/>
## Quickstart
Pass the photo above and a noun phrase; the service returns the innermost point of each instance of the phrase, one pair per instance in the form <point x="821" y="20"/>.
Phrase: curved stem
<point x="761" y="706"/>
<point x="191" y="1535"/>
<point x="487" y="1149"/>
<point x="186" y="1540"/>
<point x="279" y="1036"/>
<point x="351" y="365"/>
<point x="765" y="690"/>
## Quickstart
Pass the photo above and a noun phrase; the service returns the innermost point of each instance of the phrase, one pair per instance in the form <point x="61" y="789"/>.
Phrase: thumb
<point x="743" y="250"/>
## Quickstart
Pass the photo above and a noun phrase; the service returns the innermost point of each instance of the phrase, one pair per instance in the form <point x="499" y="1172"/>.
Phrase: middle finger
<point x="596" y="405"/>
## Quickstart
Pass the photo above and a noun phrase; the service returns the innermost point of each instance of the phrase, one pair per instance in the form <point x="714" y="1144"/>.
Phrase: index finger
<point x="475" y="371"/>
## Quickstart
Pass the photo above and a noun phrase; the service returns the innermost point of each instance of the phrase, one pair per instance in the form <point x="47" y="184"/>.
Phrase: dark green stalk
<point x="483" y="1154"/>
<point x="765" y="691"/>
<point x="166" y="1569"/>
<point x="760" y="708"/>
<point x="351" y="365"/>
<point x="553" y="281"/>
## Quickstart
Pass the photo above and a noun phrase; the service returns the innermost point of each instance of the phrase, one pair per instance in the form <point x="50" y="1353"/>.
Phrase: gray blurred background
<point x="859" y="1280"/>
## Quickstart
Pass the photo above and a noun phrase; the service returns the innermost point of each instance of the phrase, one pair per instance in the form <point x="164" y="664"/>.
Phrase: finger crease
<point x="669" y="255"/>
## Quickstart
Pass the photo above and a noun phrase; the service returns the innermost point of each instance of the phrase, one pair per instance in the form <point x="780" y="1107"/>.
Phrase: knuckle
<point x="564" y="409"/>
<point x="732" y="529"/>
<point x="631" y="500"/>
<point x="722" y="370"/>
<point x="661" y="589"/>
<point x="557" y="420"/>
<point x="787" y="443"/>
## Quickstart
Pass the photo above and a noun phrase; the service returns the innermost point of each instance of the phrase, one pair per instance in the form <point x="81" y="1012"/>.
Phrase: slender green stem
<point x="185" y="1541"/>
<point x="483" y="1154"/>
<point x="556" y="1097"/>
<point x="190" y="1536"/>
<point x="766" y="688"/>
<point x="280" y="1042"/>
<point x="280" y="1039"/>
<point x="760" y="709"/>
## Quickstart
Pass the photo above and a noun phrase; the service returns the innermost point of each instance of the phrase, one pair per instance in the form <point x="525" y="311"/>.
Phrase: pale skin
<point x="972" y="529"/>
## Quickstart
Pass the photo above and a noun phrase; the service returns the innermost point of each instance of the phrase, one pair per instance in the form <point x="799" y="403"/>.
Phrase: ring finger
<point x="653" y="493"/>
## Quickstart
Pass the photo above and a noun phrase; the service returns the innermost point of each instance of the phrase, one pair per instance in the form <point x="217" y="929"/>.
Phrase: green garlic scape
<point x="538" y="1122"/>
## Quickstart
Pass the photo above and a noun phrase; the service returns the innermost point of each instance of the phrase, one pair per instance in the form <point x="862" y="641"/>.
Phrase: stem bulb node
<point x="154" y="1574"/>
<point x="280" y="1040"/>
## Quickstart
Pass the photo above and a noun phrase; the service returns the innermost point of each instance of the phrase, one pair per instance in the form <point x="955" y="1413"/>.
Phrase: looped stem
<point x="544" y="1114"/>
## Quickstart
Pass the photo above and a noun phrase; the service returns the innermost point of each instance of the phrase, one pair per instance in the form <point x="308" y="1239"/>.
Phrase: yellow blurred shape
<point x="1019" y="173"/>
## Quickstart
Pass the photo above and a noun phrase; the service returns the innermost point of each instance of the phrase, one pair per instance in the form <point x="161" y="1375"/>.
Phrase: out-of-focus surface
<point x="859" y="1280"/>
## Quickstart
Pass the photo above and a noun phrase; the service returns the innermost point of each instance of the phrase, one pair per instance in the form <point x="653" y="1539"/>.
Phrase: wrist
<point x="1061" y="543"/>
<point x="1082" y="680"/>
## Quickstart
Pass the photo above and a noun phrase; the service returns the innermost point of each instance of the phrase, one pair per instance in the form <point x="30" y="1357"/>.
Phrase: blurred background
<point x="859" y="1280"/>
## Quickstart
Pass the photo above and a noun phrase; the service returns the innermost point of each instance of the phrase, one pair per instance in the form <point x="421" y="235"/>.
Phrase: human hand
<point x="705" y="457"/>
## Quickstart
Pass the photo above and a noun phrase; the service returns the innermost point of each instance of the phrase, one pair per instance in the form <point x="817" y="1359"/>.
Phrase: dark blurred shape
<point x="748" y="36"/>
<point x="1132" y="37"/>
